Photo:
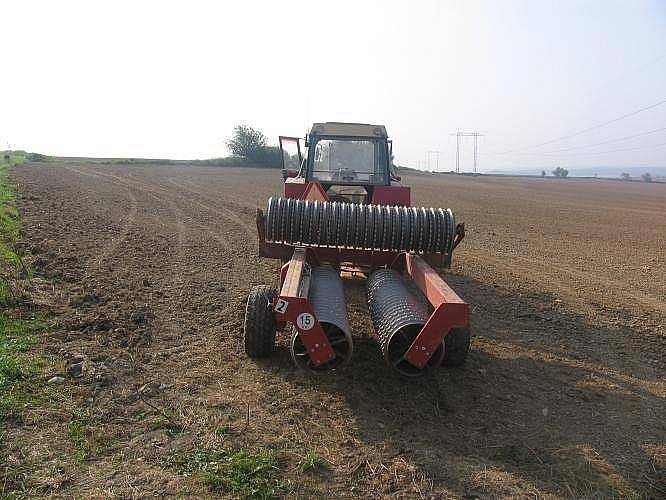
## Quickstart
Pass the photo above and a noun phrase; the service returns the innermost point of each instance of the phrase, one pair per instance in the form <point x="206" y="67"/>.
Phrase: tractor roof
<point x="349" y="129"/>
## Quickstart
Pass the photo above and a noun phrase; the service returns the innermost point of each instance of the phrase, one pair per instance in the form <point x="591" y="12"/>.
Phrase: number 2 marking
<point x="281" y="306"/>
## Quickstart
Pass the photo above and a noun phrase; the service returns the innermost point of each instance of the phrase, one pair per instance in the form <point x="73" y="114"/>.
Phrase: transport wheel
<point x="456" y="345"/>
<point x="259" y="326"/>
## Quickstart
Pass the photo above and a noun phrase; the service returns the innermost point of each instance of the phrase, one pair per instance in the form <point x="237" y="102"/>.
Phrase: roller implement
<point x="344" y="210"/>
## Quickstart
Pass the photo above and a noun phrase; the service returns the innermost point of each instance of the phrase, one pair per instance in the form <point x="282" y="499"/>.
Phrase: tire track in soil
<point x="249" y="229"/>
<point x="108" y="249"/>
<point x="227" y="215"/>
<point x="514" y="264"/>
<point x="155" y="191"/>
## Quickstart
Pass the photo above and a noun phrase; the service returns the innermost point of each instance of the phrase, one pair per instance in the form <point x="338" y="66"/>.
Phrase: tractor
<point x="344" y="210"/>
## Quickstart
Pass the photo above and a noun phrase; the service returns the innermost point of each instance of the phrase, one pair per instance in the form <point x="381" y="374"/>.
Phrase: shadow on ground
<point x="543" y="404"/>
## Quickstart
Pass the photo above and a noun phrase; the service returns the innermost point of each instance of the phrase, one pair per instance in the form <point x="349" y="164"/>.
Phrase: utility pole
<point x="476" y="136"/>
<point x="458" y="152"/>
<point x="435" y="156"/>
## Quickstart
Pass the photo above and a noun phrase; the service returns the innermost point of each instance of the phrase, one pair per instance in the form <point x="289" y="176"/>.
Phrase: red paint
<point x="391" y="195"/>
<point x="294" y="187"/>
<point x="450" y="310"/>
<point x="312" y="335"/>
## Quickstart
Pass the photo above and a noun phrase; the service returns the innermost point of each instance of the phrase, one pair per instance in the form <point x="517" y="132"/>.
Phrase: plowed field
<point x="148" y="267"/>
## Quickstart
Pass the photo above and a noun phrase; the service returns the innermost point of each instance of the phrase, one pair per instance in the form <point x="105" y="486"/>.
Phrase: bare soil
<point x="563" y="394"/>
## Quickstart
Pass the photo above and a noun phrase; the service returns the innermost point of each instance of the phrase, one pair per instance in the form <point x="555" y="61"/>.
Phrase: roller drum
<point x="327" y="299"/>
<point x="349" y="225"/>
<point x="398" y="317"/>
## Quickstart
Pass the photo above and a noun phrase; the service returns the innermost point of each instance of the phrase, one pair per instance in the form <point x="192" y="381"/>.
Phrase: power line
<point x="610" y="141"/>
<point x="594" y="127"/>
<point x="636" y="148"/>
<point x="641" y="134"/>
<point x="476" y="136"/>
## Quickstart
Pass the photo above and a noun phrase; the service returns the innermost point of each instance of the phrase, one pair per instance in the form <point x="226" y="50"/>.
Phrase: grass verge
<point x="16" y="331"/>
<point x="21" y="370"/>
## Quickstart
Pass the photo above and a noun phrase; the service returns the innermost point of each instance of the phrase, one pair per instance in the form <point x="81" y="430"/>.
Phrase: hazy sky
<point x="171" y="79"/>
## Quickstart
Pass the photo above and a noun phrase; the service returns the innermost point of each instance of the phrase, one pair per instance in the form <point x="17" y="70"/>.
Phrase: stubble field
<point x="148" y="268"/>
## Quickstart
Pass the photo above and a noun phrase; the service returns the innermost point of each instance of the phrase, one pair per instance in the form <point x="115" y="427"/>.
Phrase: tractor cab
<point x="350" y="162"/>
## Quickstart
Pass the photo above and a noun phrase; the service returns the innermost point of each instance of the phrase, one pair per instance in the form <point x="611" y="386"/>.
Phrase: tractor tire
<point x="456" y="346"/>
<point x="259" y="326"/>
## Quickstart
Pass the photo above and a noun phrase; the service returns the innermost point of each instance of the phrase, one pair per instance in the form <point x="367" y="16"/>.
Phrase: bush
<point x="647" y="177"/>
<point x="246" y="141"/>
<point x="560" y="172"/>
<point x="250" y="146"/>
<point x="36" y="157"/>
<point x="268" y="156"/>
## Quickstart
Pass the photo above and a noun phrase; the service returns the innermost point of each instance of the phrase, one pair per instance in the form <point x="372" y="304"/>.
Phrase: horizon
<point x="113" y="83"/>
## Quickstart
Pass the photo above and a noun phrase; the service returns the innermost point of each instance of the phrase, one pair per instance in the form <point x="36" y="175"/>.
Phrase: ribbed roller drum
<point x="398" y="318"/>
<point x="348" y="225"/>
<point x="327" y="299"/>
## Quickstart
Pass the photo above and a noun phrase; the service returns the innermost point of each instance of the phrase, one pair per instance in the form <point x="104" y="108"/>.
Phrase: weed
<point x="222" y="431"/>
<point x="245" y="473"/>
<point x="311" y="461"/>
<point x="84" y="432"/>
<point x="17" y="368"/>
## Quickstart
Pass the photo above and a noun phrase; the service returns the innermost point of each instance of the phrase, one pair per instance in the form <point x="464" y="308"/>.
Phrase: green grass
<point x="86" y="434"/>
<point x="17" y="367"/>
<point x="17" y="333"/>
<point x="246" y="474"/>
<point x="311" y="461"/>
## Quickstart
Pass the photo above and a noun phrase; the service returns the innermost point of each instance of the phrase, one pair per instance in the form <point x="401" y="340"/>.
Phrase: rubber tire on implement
<point x="259" y="326"/>
<point x="456" y="346"/>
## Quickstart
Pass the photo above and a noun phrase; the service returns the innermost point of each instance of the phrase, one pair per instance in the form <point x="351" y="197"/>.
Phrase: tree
<point x="543" y="173"/>
<point x="246" y="142"/>
<point x="647" y="177"/>
<point x="626" y="176"/>
<point x="560" y="172"/>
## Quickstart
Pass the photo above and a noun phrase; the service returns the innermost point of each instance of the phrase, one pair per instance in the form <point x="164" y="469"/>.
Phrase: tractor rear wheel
<point x="259" y="326"/>
<point x="456" y="346"/>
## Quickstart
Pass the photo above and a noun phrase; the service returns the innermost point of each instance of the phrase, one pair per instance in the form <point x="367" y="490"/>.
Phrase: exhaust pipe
<point x="398" y="317"/>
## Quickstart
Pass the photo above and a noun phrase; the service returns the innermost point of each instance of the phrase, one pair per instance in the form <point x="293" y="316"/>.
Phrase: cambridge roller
<point x="350" y="225"/>
<point x="318" y="233"/>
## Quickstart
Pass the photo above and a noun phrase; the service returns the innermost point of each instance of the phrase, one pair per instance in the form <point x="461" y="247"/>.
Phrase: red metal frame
<point x="292" y="305"/>
<point x="450" y="310"/>
<point x="391" y="195"/>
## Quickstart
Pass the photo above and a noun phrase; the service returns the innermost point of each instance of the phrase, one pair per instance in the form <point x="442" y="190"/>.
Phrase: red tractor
<point x="344" y="209"/>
